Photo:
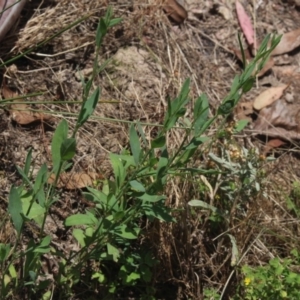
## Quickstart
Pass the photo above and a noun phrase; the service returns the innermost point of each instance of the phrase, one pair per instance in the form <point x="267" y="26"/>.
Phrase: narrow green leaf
<point x="196" y="142"/>
<point x="114" y="22"/>
<point x="45" y="242"/>
<point x="68" y="149"/>
<point x="118" y="168"/>
<point x="162" y="166"/>
<point x="248" y="72"/>
<point x="60" y="134"/>
<point x="135" y="144"/>
<point x="188" y="153"/>
<point x="234" y="251"/>
<point x="101" y="32"/>
<point x="151" y="198"/>
<point x="4" y="251"/>
<point x="137" y="186"/>
<point x="201" y="109"/>
<point x="88" y="107"/>
<point x="108" y="14"/>
<point x="24" y="176"/>
<point x="176" y="108"/>
<point x="184" y="91"/>
<point x="241" y="124"/>
<point x="235" y="84"/>
<point x="200" y="203"/>
<point x="40" y="181"/>
<point x="80" y="219"/>
<point x="79" y="236"/>
<point x="247" y="86"/>
<point x="15" y="209"/>
<point x="158" y="142"/>
<point x="142" y="134"/>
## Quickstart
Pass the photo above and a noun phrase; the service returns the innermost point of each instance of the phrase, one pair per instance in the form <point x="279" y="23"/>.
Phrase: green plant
<point x="236" y="168"/>
<point x="111" y="258"/>
<point x="211" y="294"/>
<point x="31" y="201"/>
<point x="279" y="279"/>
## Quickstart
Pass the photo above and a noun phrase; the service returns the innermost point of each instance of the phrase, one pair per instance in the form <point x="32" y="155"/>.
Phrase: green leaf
<point x="36" y="211"/>
<point x="118" y="168"/>
<point x="176" y="108"/>
<point x="43" y="247"/>
<point x="114" y="22"/>
<point x="226" y="107"/>
<point x="45" y="241"/>
<point x="113" y="251"/>
<point x="108" y="14"/>
<point x="201" y="109"/>
<point x="160" y="212"/>
<point x="15" y="209"/>
<point x="101" y="32"/>
<point x="247" y="86"/>
<point x="132" y="277"/>
<point x="235" y="84"/>
<point x="68" y="149"/>
<point x="200" y="203"/>
<point x="24" y="176"/>
<point x="106" y="201"/>
<point x="196" y="142"/>
<point x="162" y="164"/>
<point x="12" y="271"/>
<point x="135" y="144"/>
<point x="241" y="124"/>
<point x="47" y="295"/>
<point x="60" y="134"/>
<point x="88" y="108"/>
<point x="40" y="181"/>
<point x="137" y="186"/>
<point x="126" y="232"/>
<point x="99" y="276"/>
<point x="248" y="73"/>
<point x="79" y="236"/>
<point x="80" y="219"/>
<point x="234" y="251"/>
<point x="142" y="134"/>
<point x="151" y="198"/>
<point x="4" y="251"/>
<point x="146" y="274"/>
<point x="158" y="142"/>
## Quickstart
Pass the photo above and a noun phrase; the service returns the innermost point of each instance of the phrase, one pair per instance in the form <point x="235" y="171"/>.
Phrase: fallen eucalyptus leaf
<point x="269" y="96"/>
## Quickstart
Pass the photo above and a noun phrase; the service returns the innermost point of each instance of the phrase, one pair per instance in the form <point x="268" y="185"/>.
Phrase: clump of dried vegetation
<point x="158" y="191"/>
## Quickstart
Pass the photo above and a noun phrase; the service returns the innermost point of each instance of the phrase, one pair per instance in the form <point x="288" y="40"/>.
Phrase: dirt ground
<point x="151" y="57"/>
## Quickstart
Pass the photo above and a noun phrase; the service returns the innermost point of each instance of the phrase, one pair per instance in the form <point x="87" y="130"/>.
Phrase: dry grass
<point x="151" y="59"/>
